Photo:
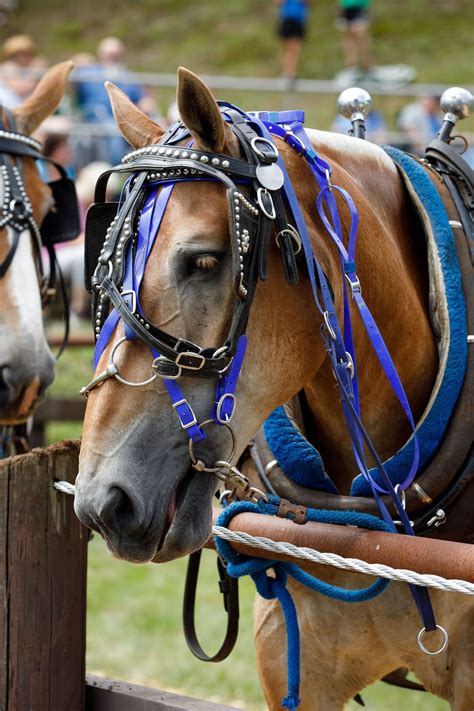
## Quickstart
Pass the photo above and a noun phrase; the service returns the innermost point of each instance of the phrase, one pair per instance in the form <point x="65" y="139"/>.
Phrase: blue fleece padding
<point x="300" y="461"/>
<point x="431" y="431"/>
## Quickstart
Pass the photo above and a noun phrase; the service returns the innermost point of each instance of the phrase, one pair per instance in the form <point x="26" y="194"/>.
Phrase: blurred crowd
<point x="83" y="137"/>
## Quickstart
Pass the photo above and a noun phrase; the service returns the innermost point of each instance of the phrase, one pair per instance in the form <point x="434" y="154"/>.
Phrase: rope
<point x="337" y="561"/>
<point x="332" y="559"/>
<point x="64" y="487"/>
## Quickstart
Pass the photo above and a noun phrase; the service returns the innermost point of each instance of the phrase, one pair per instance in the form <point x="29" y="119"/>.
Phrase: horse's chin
<point x="189" y="519"/>
<point x="187" y="526"/>
<point x="17" y="413"/>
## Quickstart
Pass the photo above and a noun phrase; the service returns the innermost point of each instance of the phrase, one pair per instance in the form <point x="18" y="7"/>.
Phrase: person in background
<point x="293" y="20"/>
<point x="356" y="41"/>
<point x="20" y="70"/>
<point x="375" y="126"/>
<point x="93" y="101"/>
<point x="419" y="122"/>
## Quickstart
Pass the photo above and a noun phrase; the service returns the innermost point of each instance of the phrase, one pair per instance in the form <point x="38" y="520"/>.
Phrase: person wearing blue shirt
<point x="293" y="19"/>
<point x="93" y="101"/>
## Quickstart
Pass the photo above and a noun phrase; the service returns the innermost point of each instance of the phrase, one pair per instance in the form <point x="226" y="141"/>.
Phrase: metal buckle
<point x="200" y="359"/>
<point x="166" y="362"/>
<point x="271" y="215"/>
<point x="354" y="285"/>
<point x="330" y="329"/>
<point x="290" y="230"/>
<point x="134" y="299"/>
<point x="328" y="180"/>
<point x="263" y="156"/>
<point x="220" y="405"/>
<point x="193" y="421"/>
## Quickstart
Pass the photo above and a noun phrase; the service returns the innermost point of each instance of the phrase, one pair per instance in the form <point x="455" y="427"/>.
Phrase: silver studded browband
<point x="20" y="138"/>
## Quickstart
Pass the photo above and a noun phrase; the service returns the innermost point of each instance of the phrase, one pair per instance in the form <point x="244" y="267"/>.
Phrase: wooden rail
<point x="43" y="569"/>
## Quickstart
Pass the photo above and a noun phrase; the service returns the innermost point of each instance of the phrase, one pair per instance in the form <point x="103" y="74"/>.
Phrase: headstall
<point x="61" y="224"/>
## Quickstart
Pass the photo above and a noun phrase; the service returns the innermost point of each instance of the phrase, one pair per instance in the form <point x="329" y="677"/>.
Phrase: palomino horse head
<point x="136" y="484"/>
<point x="26" y="362"/>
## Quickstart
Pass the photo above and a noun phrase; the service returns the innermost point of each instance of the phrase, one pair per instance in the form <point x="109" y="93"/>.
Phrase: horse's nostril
<point x="8" y="390"/>
<point x="118" y="512"/>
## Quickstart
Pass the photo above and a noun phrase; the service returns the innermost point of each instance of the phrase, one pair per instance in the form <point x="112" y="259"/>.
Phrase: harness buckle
<point x="354" y="285"/>
<point x="165" y="368"/>
<point x="225" y="418"/>
<point x="132" y="293"/>
<point x="190" y="360"/>
<point x="327" y="323"/>
<point x="188" y="411"/>
<point x="269" y="209"/>
<point x="293" y="233"/>
<point x="265" y="157"/>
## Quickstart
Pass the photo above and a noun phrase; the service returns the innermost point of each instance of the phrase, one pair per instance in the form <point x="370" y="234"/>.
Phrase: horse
<point x="26" y="361"/>
<point x="148" y="490"/>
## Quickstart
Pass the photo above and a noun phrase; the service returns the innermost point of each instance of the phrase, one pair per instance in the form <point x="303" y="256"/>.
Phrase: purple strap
<point x="226" y="385"/>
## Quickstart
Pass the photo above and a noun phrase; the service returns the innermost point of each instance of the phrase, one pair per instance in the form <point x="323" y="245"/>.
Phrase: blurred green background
<point x="238" y="38"/>
<point x="134" y="619"/>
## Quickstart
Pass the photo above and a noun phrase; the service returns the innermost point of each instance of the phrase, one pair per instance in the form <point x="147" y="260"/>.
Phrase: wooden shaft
<point x="422" y="555"/>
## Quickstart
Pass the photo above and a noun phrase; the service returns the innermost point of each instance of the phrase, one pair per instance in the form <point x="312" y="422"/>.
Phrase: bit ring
<point x="199" y="464"/>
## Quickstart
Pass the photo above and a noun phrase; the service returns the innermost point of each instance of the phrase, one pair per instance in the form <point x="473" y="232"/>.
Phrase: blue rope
<point x="271" y="588"/>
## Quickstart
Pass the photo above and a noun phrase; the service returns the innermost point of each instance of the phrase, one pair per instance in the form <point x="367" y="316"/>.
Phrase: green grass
<point x="134" y="632"/>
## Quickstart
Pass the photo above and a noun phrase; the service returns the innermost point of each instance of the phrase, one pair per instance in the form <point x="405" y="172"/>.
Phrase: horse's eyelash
<point x="206" y="262"/>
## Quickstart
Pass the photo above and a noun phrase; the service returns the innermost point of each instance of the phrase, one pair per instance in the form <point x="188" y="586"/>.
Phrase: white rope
<point x="337" y="561"/>
<point x="65" y="487"/>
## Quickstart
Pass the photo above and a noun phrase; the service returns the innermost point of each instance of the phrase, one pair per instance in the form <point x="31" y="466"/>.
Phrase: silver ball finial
<point x="457" y="101"/>
<point x="354" y="103"/>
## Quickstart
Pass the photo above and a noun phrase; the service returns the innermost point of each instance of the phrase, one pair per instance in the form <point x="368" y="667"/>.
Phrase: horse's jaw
<point x="189" y="517"/>
<point x="143" y="497"/>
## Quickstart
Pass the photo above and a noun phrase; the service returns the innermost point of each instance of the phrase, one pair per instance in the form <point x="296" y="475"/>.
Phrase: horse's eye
<point x="205" y="262"/>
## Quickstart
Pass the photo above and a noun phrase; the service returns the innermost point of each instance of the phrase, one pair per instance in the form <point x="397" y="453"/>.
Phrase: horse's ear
<point x="200" y="113"/>
<point x="135" y="126"/>
<point x="45" y="98"/>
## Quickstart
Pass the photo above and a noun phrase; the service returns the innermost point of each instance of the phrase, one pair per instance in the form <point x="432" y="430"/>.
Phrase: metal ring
<point x="422" y="633"/>
<point x="122" y="380"/>
<point x="191" y="446"/>
<point x="225" y="494"/>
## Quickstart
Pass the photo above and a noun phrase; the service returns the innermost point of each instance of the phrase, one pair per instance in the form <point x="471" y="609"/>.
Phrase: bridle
<point x="61" y="224"/>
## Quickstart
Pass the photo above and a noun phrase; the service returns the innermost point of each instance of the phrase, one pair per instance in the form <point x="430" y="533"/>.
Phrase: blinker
<point x="62" y="223"/>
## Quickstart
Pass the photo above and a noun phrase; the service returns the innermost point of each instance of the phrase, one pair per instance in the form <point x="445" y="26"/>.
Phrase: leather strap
<point x="229" y="587"/>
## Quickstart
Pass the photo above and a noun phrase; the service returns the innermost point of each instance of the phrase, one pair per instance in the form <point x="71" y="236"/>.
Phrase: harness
<point x="61" y="224"/>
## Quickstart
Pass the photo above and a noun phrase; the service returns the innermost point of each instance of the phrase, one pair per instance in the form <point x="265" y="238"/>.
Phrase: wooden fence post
<point x="43" y="568"/>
